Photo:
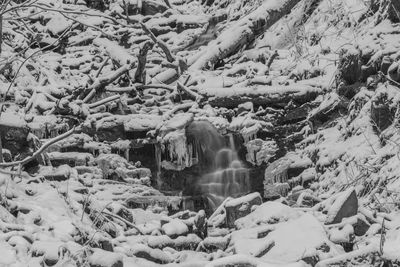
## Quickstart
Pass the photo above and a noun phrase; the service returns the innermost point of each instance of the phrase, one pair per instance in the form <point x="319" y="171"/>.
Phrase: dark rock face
<point x="14" y="137"/>
<point x="346" y="208"/>
<point x="349" y="66"/>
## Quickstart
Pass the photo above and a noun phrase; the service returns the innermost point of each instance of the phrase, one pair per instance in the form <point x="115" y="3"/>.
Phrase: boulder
<point x="175" y="228"/>
<point x="240" y="207"/>
<point x="344" y="206"/>
<point x="102" y="258"/>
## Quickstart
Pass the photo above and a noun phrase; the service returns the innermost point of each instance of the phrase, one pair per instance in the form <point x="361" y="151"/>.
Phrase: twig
<point x="104" y="101"/>
<point x="102" y="82"/>
<point x="123" y="220"/>
<point x="195" y="96"/>
<point x="160" y="43"/>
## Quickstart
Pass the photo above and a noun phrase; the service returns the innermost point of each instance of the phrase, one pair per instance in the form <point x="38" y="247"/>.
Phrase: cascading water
<point x="222" y="173"/>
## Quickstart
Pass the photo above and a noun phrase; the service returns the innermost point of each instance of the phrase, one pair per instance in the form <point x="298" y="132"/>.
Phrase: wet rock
<point x="345" y="205"/>
<point x="361" y="227"/>
<point x="14" y="133"/>
<point x="102" y="258"/>
<point x="240" y="207"/>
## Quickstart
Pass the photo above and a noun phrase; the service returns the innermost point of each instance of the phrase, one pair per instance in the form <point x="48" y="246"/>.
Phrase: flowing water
<point x="224" y="174"/>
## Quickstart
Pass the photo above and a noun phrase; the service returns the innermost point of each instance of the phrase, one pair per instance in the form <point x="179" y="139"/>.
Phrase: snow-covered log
<point x="243" y="32"/>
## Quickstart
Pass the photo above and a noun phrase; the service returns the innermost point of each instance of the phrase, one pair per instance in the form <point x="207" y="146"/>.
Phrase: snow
<point x="175" y="227"/>
<point x="266" y="213"/>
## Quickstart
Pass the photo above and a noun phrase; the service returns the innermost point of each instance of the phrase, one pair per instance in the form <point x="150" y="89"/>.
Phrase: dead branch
<point x="100" y="83"/>
<point x="123" y="220"/>
<point x="160" y="43"/>
<point x="104" y="101"/>
<point x="272" y="58"/>
<point x="140" y="71"/>
<point x="193" y="95"/>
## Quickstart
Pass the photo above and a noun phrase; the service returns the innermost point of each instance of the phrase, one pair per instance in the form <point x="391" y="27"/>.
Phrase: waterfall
<point x="224" y="174"/>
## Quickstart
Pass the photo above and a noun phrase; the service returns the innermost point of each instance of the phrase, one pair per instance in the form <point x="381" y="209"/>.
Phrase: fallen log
<point x="260" y="95"/>
<point x="242" y="32"/>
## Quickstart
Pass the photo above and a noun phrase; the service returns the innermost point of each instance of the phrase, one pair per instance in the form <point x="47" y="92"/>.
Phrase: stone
<point x="175" y="228"/>
<point x="361" y="227"/>
<point x="102" y="258"/>
<point x="240" y="207"/>
<point x="274" y="191"/>
<point x="385" y="64"/>
<point x="154" y="255"/>
<point x="344" y="206"/>
<point x="14" y="132"/>
<point x="394" y="71"/>
<point x="381" y="114"/>
<point x="349" y="67"/>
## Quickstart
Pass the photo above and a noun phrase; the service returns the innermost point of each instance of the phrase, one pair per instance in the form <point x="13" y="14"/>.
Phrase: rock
<point x="349" y="67"/>
<point x="214" y="243"/>
<point x="47" y="249"/>
<point x="60" y="173"/>
<point x="345" y="205"/>
<point x="102" y="258"/>
<point x="151" y="7"/>
<point x="260" y="151"/>
<point x="394" y="71"/>
<point x="361" y="227"/>
<point x="154" y="255"/>
<point x="381" y="114"/>
<point x="14" y="132"/>
<point x="189" y="242"/>
<point x="70" y="158"/>
<point x="175" y="228"/>
<point x="275" y="191"/>
<point x="245" y="108"/>
<point x="240" y="207"/>
<point x="386" y="63"/>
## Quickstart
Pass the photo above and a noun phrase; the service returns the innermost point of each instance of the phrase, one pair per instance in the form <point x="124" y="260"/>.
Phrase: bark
<point x="140" y="71"/>
<point x="261" y="95"/>
<point x="1" y="32"/>
<point x="243" y="32"/>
